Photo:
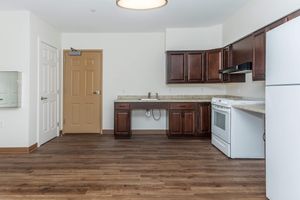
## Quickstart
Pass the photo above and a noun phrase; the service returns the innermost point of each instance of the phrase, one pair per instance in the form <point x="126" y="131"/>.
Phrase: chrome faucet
<point x="156" y="95"/>
<point x="149" y="95"/>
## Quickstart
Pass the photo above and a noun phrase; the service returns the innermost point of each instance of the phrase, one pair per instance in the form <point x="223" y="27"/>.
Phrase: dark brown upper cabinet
<point x="242" y="51"/>
<point x="276" y="23"/>
<point x="203" y="66"/>
<point x="176" y="67"/>
<point x="293" y="15"/>
<point x="195" y="67"/>
<point x="214" y="65"/>
<point x="259" y="56"/>
<point x="185" y="66"/>
<point x="227" y="62"/>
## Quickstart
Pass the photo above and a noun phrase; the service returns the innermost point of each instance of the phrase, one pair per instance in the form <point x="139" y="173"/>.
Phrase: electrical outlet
<point x="1" y="124"/>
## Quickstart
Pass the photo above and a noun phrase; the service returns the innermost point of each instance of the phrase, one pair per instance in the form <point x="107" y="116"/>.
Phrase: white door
<point x="283" y="142"/>
<point x="48" y="102"/>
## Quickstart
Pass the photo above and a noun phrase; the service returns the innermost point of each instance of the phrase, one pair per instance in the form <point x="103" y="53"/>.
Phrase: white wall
<point x="254" y="15"/>
<point x="19" y="35"/>
<point x="39" y="31"/>
<point x="203" y="38"/>
<point x="250" y="88"/>
<point x="133" y="64"/>
<point x="14" y="55"/>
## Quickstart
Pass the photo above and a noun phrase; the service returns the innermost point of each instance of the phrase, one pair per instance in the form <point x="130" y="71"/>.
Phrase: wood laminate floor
<point x="146" y="167"/>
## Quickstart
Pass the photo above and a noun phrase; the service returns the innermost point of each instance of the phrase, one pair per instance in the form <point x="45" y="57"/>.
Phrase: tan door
<point x="82" y="92"/>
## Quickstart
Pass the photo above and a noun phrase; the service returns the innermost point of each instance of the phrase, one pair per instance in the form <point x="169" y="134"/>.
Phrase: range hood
<point x="238" y="69"/>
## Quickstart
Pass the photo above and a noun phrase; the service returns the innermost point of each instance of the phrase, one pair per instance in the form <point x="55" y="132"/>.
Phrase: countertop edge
<point x="257" y="108"/>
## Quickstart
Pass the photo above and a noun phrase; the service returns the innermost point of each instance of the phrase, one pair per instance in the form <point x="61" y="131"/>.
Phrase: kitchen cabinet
<point x="293" y="15"/>
<point x="185" y="67"/>
<point x="242" y="51"/>
<point x="259" y="55"/>
<point x="182" y="122"/>
<point x="182" y="119"/>
<point x="176" y="67"/>
<point x="122" y="121"/>
<point x="195" y="67"/>
<point x="204" y="120"/>
<point x="213" y="66"/>
<point x="189" y="119"/>
<point x="227" y="62"/>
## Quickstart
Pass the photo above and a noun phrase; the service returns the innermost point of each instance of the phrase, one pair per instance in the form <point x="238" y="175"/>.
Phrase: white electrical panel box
<point x="10" y="89"/>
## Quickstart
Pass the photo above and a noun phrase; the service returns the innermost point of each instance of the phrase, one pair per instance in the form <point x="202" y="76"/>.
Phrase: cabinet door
<point x="176" y="67"/>
<point x="242" y="51"/>
<point x="227" y="62"/>
<point x="175" y="122"/>
<point x="189" y="120"/>
<point x="204" y="119"/>
<point x="122" y="122"/>
<point x="259" y="53"/>
<point x="213" y="66"/>
<point x="195" y="63"/>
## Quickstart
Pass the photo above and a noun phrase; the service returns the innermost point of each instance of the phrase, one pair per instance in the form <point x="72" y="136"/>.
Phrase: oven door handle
<point x="221" y="108"/>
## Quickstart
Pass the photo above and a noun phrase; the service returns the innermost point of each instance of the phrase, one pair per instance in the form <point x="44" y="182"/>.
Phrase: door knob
<point x="97" y="92"/>
<point x="44" y="98"/>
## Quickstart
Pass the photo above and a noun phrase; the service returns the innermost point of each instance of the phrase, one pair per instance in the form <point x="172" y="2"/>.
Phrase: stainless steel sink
<point x="147" y="99"/>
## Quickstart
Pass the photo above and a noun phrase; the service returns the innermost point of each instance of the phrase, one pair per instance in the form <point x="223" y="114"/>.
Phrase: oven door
<point x="221" y="122"/>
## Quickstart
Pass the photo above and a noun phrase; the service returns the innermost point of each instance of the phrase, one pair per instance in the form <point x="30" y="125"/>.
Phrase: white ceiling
<point x="78" y="15"/>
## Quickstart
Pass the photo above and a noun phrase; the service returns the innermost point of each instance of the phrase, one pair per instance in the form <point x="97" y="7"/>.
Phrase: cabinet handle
<point x="1" y="99"/>
<point x="44" y="98"/>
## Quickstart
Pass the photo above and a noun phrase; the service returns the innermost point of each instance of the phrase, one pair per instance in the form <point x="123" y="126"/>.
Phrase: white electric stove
<point x="236" y="133"/>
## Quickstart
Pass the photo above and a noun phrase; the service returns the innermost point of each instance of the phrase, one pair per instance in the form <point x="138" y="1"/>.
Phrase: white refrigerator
<point x="283" y="112"/>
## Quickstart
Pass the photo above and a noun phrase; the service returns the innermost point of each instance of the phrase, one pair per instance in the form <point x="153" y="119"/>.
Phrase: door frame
<point x="58" y="85"/>
<point x="101" y="87"/>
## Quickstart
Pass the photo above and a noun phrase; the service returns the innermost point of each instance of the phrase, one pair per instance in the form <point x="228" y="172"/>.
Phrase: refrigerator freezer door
<point x="283" y="54"/>
<point x="283" y="142"/>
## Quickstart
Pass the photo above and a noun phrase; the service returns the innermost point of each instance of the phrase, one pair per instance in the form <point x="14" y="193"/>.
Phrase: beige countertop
<point x="258" y="108"/>
<point x="169" y="98"/>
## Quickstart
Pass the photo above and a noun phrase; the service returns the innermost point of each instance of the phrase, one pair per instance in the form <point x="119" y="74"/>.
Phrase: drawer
<point x="221" y="145"/>
<point x="182" y="106"/>
<point x="122" y="106"/>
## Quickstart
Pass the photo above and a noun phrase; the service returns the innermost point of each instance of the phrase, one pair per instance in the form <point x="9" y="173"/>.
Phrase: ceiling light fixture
<point x="141" y="4"/>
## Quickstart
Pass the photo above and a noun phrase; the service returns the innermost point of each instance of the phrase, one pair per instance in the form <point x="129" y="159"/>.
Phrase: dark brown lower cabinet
<point x="175" y="122"/>
<point x="204" y="120"/>
<point x="182" y="122"/>
<point x="184" y="119"/>
<point x="189" y="126"/>
<point x="122" y="124"/>
<point x="192" y="120"/>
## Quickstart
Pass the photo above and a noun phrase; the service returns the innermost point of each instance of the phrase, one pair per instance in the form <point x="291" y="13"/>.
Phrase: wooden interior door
<point x="48" y="90"/>
<point x="82" y="92"/>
